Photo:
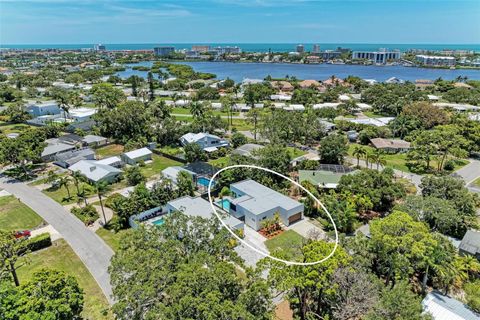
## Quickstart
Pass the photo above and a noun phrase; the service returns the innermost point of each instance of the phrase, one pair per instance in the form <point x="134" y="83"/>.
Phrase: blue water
<point x="252" y="47"/>
<point x="158" y="222"/>
<point x="224" y="204"/>
<point x="203" y="181"/>
<point x="240" y="71"/>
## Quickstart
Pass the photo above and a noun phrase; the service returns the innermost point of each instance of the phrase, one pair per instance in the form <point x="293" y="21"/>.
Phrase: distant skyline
<point x="239" y="21"/>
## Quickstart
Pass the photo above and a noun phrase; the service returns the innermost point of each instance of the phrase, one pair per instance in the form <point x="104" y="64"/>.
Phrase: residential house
<point x="442" y="307"/>
<point x="471" y="243"/>
<point x="53" y="148"/>
<point x="38" y="109"/>
<point x="94" y="141"/>
<point x="135" y="156"/>
<point x="111" y="161"/>
<point x="283" y="86"/>
<point x="171" y="173"/>
<point x="321" y="178"/>
<point x="422" y="84"/>
<point x="96" y="172"/>
<point x="309" y="84"/>
<point x="253" y="203"/>
<point x="395" y="80"/>
<point x="199" y="207"/>
<point x="333" y="82"/>
<point x="391" y="145"/>
<point x="71" y="138"/>
<point x="248" y="150"/>
<point x="69" y="158"/>
<point x="462" y="85"/>
<point x="208" y="142"/>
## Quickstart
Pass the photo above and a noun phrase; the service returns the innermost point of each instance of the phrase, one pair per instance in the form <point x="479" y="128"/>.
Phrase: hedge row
<point x="39" y="242"/>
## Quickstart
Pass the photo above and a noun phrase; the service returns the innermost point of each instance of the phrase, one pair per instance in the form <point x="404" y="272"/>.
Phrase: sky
<point x="239" y="21"/>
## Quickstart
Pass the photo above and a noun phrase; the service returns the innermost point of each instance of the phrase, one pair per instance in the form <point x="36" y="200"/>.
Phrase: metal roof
<point x="262" y="198"/>
<point x="446" y="308"/>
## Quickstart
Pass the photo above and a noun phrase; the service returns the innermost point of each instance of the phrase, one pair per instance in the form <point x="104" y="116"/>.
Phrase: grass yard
<point x="171" y="150"/>
<point x="295" y="152"/>
<point x="157" y="165"/>
<point x="15" y="215"/>
<point x="109" y="151"/>
<point x="476" y="183"/>
<point x="399" y="160"/>
<point x="111" y="238"/>
<point x="288" y="241"/>
<point x="372" y="114"/>
<point x="61" y="194"/>
<point x="7" y="128"/>
<point x="61" y="257"/>
<point x="220" y="162"/>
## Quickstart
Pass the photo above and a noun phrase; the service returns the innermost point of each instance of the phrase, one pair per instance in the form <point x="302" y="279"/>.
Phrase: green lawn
<point x="157" y="165"/>
<point x="171" y="150"/>
<point x="399" y="160"/>
<point x="289" y="241"/>
<point x="61" y="257"/>
<point x="476" y="183"/>
<point x="14" y="215"/>
<point x="61" y="194"/>
<point x="295" y="152"/>
<point x="220" y="162"/>
<point x="7" y="128"/>
<point x="109" y="151"/>
<point x="372" y="114"/>
<point x="110" y="237"/>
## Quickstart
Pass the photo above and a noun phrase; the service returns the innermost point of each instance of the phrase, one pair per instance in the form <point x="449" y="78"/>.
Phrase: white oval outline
<point x="265" y="254"/>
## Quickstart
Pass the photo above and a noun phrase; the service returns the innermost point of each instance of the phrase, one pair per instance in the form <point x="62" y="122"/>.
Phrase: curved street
<point x="89" y="247"/>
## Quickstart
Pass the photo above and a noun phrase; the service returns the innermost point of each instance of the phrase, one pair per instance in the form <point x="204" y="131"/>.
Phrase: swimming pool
<point x="158" y="222"/>
<point x="224" y="204"/>
<point x="204" y="181"/>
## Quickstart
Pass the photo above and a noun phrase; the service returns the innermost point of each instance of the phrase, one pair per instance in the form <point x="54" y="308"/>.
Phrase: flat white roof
<point x="134" y="154"/>
<point x="261" y="198"/>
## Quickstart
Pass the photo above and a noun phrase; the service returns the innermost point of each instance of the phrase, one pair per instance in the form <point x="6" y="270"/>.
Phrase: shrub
<point x="87" y="214"/>
<point x="449" y="165"/>
<point x="109" y="202"/>
<point x="39" y="242"/>
<point x="472" y="291"/>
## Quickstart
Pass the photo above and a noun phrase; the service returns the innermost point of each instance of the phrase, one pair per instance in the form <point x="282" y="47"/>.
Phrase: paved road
<point x="89" y="247"/>
<point x="470" y="172"/>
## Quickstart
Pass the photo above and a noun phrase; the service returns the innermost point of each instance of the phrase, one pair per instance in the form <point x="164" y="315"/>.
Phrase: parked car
<point x="22" y="234"/>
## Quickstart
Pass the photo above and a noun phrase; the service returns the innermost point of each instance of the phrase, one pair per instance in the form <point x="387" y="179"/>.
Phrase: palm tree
<point x="101" y="188"/>
<point x="77" y="178"/>
<point x="64" y="182"/>
<point x="197" y="110"/>
<point x="82" y="196"/>
<point x="377" y="157"/>
<point x="358" y="152"/>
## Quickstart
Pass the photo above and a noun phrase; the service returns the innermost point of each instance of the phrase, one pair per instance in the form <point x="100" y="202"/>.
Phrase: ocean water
<point x="240" y="71"/>
<point x="253" y="47"/>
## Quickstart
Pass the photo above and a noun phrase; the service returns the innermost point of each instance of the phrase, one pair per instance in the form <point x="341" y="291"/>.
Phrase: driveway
<point x="255" y="239"/>
<point x="308" y="230"/>
<point x="89" y="247"/>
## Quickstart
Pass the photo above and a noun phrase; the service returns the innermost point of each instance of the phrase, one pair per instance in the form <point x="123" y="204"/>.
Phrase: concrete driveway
<point x="89" y="247"/>
<point x="255" y="239"/>
<point x="308" y="230"/>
